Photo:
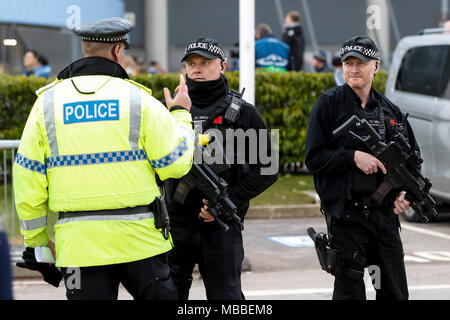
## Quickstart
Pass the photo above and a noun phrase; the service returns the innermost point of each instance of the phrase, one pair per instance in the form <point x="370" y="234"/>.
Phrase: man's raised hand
<point x="182" y="97"/>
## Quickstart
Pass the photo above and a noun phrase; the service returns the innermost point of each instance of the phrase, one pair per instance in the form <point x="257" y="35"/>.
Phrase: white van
<point x="418" y="83"/>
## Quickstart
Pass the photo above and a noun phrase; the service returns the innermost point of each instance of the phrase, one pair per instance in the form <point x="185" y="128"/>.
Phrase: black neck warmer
<point x="204" y="93"/>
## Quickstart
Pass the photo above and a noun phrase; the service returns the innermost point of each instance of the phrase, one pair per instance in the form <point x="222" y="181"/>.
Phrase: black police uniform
<point x="219" y="254"/>
<point x="368" y="236"/>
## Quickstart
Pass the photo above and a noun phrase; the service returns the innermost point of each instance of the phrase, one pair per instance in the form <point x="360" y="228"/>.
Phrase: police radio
<point x="234" y="108"/>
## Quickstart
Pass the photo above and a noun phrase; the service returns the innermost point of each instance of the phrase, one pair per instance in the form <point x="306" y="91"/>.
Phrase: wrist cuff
<point x="178" y="108"/>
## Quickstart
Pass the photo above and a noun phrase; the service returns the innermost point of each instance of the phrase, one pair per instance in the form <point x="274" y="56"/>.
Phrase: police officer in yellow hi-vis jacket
<point x="89" y="151"/>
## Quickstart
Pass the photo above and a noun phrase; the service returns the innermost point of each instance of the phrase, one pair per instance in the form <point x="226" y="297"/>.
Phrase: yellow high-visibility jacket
<point x="85" y="152"/>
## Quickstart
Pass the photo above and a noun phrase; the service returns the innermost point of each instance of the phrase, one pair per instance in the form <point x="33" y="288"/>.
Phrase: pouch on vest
<point x="161" y="216"/>
<point x="361" y="183"/>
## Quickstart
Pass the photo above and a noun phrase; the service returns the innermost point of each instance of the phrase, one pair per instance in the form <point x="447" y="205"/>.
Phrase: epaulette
<point x="45" y="88"/>
<point x="331" y="92"/>
<point x="139" y="85"/>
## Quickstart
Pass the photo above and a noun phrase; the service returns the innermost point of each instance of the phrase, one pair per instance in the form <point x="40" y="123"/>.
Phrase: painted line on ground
<point x="410" y="227"/>
<point x="261" y="293"/>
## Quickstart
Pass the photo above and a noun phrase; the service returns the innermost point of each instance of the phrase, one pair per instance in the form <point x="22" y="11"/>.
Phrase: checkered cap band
<point x="207" y="47"/>
<point x="105" y="39"/>
<point x="367" y="52"/>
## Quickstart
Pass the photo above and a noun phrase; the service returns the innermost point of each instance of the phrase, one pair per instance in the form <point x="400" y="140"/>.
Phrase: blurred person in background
<point x="293" y="37"/>
<point x="36" y="64"/>
<point x="130" y="65"/>
<point x="446" y="26"/>
<point x="319" y="62"/>
<point x="155" y="67"/>
<point x="270" y="53"/>
<point x="338" y="71"/>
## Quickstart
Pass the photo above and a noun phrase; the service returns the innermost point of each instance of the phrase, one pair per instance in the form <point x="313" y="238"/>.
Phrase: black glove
<point x="50" y="273"/>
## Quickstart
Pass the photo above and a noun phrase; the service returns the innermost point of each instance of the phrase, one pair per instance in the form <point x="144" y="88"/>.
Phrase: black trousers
<point x="147" y="279"/>
<point x="219" y="256"/>
<point x="378" y="241"/>
<point x="5" y="268"/>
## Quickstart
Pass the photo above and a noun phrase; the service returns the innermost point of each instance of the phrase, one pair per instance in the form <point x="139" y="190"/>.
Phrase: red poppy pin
<point x="218" y="120"/>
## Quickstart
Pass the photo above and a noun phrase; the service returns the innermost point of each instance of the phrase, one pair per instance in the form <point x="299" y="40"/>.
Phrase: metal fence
<point x="7" y="211"/>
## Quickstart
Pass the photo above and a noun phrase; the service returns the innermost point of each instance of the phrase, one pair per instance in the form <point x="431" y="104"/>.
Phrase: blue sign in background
<point x="59" y="13"/>
<point x="87" y="111"/>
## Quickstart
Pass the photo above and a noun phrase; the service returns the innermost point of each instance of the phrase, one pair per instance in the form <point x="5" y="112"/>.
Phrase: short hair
<point x="39" y="57"/>
<point x="264" y="30"/>
<point x="92" y="48"/>
<point x="294" y="15"/>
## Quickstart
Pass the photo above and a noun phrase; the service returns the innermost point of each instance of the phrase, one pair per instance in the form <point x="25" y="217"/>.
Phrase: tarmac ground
<point x="281" y="263"/>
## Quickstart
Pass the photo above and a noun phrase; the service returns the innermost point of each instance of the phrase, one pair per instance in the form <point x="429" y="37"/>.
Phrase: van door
<point x="419" y="89"/>
<point x="413" y="91"/>
<point x="441" y="130"/>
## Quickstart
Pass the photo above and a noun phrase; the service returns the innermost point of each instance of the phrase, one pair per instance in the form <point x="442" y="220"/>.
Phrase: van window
<point x="423" y="71"/>
<point x="444" y="86"/>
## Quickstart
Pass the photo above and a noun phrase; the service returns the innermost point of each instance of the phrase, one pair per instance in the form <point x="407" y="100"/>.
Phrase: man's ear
<point x="223" y="66"/>
<point x="115" y="52"/>
<point x="377" y="66"/>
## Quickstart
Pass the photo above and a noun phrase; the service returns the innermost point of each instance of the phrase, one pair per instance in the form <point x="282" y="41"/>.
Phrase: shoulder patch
<point x="137" y="84"/>
<point x="50" y="85"/>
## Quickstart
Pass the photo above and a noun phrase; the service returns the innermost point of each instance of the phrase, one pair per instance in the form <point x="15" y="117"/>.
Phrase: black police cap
<point x="106" y="30"/>
<point x="360" y="47"/>
<point x="206" y="47"/>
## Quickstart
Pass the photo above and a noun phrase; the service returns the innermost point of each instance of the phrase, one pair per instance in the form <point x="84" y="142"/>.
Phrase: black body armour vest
<point x="360" y="184"/>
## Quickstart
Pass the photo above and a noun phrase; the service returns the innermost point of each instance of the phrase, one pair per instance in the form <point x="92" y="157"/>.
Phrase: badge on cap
<point x="205" y="47"/>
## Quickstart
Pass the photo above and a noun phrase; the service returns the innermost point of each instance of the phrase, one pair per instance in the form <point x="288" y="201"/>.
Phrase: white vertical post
<point x="156" y="31"/>
<point x="377" y="24"/>
<point x="310" y="25"/>
<point x="247" y="49"/>
<point x="444" y="10"/>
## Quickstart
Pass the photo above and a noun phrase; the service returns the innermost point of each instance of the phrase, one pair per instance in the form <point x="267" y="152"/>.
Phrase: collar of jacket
<point x="372" y="103"/>
<point x="93" y="66"/>
<point x="295" y="25"/>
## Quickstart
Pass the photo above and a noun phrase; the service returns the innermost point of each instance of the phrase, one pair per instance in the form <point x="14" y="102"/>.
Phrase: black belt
<point x="114" y="212"/>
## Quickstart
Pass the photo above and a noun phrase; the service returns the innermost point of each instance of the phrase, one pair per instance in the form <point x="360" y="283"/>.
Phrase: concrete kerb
<point x="286" y="211"/>
<point x="254" y="212"/>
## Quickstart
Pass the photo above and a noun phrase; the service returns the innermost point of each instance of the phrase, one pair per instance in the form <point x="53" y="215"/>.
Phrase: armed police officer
<point x="89" y="151"/>
<point x="346" y="174"/>
<point x="198" y="238"/>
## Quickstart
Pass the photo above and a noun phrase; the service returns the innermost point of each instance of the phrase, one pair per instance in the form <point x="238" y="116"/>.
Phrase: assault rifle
<point x="215" y="189"/>
<point x="401" y="162"/>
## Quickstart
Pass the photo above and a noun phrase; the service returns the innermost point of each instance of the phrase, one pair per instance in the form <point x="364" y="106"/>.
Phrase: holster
<point x="161" y="216"/>
<point x="331" y="257"/>
<point x="336" y="265"/>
